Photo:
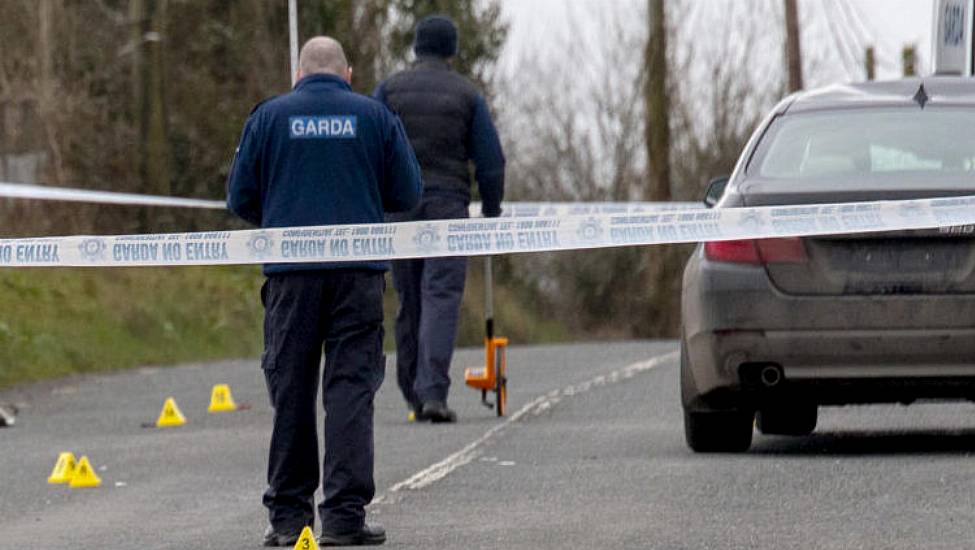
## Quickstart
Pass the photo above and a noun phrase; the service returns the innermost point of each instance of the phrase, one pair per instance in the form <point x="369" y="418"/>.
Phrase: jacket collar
<point x="431" y="62"/>
<point x="320" y="80"/>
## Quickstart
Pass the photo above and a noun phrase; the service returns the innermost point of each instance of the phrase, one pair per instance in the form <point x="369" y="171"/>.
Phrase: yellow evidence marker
<point x="221" y="400"/>
<point x="84" y="475"/>
<point x="63" y="470"/>
<point x="306" y="541"/>
<point x="170" y="415"/>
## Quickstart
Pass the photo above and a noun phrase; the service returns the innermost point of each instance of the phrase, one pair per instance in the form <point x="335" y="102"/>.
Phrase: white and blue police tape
<point x="68" y="194"/>
<point x="562" y="209"/>
<point x="475" y="237"/>
<point x="510" y="209"/>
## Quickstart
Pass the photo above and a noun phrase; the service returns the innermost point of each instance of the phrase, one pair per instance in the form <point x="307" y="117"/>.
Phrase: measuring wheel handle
<point x="500" y="377"/>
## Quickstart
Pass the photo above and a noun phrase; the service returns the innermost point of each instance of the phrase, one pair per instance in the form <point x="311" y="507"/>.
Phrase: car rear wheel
<point x="727" y="431"/>
<point x="718" y="432"/>
<point x="787" y="420"/>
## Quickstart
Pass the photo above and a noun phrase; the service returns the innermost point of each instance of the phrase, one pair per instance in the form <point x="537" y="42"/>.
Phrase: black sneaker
<point x="368" y="535"/>
<point x="275" y="538"/>
<point x="437" y="412"/>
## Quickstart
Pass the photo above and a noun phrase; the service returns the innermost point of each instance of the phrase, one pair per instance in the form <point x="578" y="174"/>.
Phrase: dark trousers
<point x="341" y="310"/>
<point x="430" y="292"/>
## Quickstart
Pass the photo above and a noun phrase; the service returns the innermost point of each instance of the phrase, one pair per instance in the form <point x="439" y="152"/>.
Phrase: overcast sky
<point x="829" y="27"/>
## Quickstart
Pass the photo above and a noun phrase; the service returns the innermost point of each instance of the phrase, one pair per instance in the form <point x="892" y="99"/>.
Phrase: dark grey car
<point x="772" y="329"/>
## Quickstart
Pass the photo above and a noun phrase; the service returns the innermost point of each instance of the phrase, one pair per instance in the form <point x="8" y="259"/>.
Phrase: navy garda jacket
<point x="321" y="155"/>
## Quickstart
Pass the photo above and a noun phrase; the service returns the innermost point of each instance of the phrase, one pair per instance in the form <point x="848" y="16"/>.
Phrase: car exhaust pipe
<point x="771" y="376"/>
<point x="758" y="375"/>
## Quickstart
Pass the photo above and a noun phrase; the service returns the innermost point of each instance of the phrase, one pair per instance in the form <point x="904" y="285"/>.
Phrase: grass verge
<point x="61" y="322"/>
<point x="58" y="322"/>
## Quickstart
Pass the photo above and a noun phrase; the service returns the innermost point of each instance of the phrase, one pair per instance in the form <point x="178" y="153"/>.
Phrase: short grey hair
<point x="323" y="54"/>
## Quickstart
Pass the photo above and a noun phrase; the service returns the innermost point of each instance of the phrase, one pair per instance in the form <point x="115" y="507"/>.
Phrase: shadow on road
<point x="901" y="442"/>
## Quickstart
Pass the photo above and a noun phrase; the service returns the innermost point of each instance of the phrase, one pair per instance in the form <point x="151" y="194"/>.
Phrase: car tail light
<point x="757" y="252"/>
<point x="736" y="252"/>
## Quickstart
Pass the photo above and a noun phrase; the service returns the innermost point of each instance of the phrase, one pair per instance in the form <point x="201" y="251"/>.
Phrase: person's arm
<point x="402" y="187"/>
<point x="244" y="183"/>
<point x="488" y="160"/>
<point x="379" y="94"/>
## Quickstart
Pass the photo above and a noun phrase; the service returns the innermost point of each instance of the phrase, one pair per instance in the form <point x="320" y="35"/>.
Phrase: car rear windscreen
<point x="875" y="143"/>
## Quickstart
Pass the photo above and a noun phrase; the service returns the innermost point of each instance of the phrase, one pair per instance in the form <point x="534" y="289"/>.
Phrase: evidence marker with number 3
<point x="306" y="541"/>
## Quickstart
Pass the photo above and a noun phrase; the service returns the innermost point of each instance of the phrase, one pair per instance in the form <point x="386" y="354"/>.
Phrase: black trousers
<point x="341" y="310"/>
<point x="430" y="294"/>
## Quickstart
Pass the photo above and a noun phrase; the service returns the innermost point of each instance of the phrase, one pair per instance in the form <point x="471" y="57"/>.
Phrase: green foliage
<point x="481" y="28"/>
<point x="58" y="322"/>
<point x="378" y="34"/>
<point x="80" y="92"/>
<point x="79" y="99"/>
<point x="519" y="312"/>
<point x="358" y="25"/>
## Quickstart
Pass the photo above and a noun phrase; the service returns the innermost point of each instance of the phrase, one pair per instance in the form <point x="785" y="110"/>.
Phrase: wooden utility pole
<point x="657" y="102"/>
<point x="148" y="72"/>
<point x="45" y="48"/>
<point x="293" y="37"/>
<point x="137" y="15"/>
<point x="871" y="62"/>
<point x="46" y="84"/>
<point x="793" y="46"/>
<point x="663" y="263"/>
<point x="909" y="59"/>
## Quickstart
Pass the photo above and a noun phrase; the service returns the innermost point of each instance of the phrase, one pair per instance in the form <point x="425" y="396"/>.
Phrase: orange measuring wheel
<point x="491" y="377"/>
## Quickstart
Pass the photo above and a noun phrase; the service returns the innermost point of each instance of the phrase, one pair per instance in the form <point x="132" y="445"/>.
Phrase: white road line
<point x="535" y="407"/>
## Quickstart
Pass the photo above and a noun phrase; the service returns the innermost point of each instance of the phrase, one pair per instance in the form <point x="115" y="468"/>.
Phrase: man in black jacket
<point x="450" y="127"/>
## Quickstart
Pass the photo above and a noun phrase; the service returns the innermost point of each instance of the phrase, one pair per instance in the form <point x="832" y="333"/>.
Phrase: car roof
<point x="905" y="92"/>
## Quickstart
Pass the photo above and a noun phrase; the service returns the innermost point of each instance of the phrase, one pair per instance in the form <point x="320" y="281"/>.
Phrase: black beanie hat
<point x="436" y="35"/>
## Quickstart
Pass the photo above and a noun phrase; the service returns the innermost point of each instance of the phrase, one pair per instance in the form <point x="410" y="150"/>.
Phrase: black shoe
<point x="275" y="538"/>
<point x="437" y="412"/>
<point x="368" y="535"/>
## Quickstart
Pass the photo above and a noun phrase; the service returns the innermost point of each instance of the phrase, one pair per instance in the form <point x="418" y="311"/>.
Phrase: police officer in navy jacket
<point x="322" y="155"/>
<point x="450" y="127"/>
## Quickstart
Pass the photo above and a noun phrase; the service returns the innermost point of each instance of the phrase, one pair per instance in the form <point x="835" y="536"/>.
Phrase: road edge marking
<point x="535" y="407"/>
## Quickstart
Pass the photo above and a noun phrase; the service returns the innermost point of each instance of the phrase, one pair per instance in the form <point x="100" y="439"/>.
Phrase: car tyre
<point x="793" y="420"/>
<point x="711" y="431"/>
<point x="718" y="431"/>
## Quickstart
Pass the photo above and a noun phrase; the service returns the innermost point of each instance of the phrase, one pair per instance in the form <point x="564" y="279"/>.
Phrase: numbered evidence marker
<point x="84" y="475"/>
<point x="170" y="415"/>
<point x="63" y="470"/>
<point x="307" y="540"/>
<point x="221" y="400"/>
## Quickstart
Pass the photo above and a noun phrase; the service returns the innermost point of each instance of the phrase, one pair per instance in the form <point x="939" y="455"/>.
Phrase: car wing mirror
<point x="715" y="191"/>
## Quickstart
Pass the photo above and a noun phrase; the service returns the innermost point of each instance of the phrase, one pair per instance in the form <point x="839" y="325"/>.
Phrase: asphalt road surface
<point x="591" y="456"/>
